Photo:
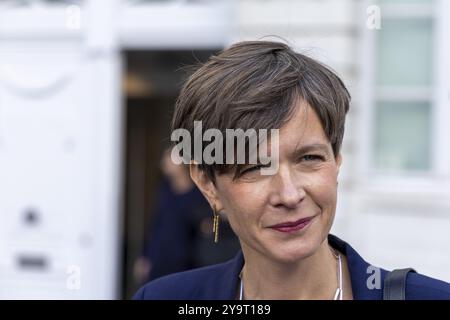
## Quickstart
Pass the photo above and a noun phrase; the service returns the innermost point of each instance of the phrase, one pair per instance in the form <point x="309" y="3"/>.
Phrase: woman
<point x="282" y="219"/>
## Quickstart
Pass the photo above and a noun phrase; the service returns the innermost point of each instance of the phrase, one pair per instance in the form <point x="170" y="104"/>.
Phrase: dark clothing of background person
<point x="181" y="235"/>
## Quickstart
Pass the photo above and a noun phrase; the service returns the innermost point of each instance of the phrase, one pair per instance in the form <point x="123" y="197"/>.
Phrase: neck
<point x="314" y="277"/>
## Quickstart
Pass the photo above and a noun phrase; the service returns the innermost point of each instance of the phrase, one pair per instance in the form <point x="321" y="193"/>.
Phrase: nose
<point x="287" y="189"/>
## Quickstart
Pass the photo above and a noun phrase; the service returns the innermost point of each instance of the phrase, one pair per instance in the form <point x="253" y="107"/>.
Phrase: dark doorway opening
<point x="152" y="83"/>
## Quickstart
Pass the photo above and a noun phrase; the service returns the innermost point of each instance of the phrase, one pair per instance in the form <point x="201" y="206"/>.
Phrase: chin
<point x="291" y="255"/>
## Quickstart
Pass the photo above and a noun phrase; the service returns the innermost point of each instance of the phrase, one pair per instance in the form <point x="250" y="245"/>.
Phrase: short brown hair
<point x="254" y="84"/>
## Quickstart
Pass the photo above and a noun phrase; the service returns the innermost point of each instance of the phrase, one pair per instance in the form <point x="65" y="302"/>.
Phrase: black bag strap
<point x="395" y="284"/>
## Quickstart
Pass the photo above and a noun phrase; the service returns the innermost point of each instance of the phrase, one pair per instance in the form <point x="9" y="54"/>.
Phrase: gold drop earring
<point x="216" y="225"/>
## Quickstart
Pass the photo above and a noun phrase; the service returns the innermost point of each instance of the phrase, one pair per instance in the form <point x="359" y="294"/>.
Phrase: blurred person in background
<point x="179" y="236"/>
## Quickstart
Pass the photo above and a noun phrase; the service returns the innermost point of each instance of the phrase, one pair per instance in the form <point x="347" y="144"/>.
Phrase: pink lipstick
<point x="289" y="227"/>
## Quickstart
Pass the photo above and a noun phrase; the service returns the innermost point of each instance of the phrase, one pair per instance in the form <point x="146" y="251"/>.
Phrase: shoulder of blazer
<point x="418" y="286"/>
<point x="197" y="284"/>
<point x="421" y="287"/>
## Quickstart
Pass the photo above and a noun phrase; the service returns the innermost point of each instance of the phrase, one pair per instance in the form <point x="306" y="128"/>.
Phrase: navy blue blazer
<point x="220" y="281"/>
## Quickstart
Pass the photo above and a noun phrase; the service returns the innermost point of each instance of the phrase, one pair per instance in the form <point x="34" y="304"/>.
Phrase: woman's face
<point x="305" y="186"/>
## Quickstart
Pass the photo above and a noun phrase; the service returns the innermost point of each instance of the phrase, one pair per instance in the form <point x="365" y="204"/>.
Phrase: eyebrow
<point x="297" y="152"/>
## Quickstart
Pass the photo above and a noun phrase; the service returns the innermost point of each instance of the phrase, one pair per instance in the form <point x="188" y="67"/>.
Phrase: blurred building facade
<point x="63" y="120"/>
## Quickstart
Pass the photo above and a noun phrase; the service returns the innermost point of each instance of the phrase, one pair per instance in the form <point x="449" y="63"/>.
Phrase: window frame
<point x="407" y="181"/>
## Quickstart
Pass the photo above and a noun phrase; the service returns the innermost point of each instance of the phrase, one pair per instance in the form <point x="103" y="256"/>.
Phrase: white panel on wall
<point x="407" y="240"/>
<point x="59" y="174"/>
<point x="295" y="13"/>
<point x="175" y="24"/>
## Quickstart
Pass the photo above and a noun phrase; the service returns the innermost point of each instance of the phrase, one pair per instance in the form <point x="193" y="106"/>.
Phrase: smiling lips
<point x="292" y="226"/>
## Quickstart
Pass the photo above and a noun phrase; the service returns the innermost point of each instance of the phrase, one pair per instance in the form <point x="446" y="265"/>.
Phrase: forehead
<point x="303" y="128"/>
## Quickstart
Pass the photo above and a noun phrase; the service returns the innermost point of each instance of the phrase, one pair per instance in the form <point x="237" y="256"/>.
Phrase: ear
<point x="206" y="186"/>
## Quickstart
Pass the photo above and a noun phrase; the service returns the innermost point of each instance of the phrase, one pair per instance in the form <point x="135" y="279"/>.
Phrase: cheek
<point x="244" y="203"/>
<point x="323" y="188"/>
<point x="242" y="195"/>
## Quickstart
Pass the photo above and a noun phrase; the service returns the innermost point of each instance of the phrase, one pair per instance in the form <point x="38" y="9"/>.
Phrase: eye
<point x="252" y="169"/>
<point x="312" y="157"/>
